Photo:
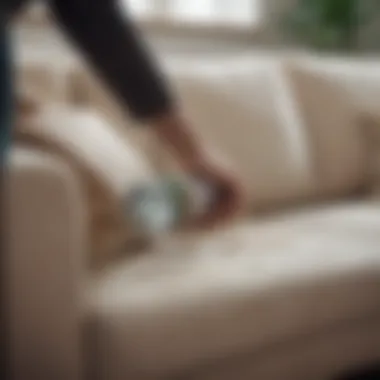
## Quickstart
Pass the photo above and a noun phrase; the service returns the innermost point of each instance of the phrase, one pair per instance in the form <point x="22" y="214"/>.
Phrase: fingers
<point x="227" y="204"/>
<point x="228" y="198"/>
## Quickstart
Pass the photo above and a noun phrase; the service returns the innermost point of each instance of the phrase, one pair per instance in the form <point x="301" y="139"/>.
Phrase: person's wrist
<point x="173" y="130"/>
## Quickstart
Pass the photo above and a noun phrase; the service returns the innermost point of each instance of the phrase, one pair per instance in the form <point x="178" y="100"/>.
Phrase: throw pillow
<point x="107" y="165"/>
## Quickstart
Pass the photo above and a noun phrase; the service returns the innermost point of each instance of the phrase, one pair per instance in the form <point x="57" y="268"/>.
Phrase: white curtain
<point x="239" y="12"/>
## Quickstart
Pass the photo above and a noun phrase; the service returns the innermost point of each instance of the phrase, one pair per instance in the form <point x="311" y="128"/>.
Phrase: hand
<point x="228" y="198"/>
<point x="174" y="131"/>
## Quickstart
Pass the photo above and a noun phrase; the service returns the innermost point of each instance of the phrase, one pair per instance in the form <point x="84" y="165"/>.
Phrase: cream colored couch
<point x="291" y="292"/>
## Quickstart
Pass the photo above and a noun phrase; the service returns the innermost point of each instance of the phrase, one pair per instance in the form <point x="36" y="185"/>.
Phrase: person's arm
<point x="112" y="45"/>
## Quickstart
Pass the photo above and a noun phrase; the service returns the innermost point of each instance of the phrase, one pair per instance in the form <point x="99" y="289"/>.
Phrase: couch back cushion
<point x="47" y="79"/>
<point x="360" y="79"/>
<point x="243" y="111"/>
<point x="335" y="137"/>
<point x="88" y="90"/>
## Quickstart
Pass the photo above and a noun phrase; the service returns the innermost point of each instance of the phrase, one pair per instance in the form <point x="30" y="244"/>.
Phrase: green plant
<point x="331" y="24"/>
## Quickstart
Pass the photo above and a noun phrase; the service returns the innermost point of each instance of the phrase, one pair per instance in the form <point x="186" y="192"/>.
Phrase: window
<point x="226" y="13"/>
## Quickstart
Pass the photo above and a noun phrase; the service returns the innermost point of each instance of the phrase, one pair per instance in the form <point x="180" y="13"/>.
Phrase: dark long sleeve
<point x="111" y="43"/>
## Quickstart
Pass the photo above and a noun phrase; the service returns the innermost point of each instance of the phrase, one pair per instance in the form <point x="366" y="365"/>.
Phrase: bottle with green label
<point x="165" y="204"/>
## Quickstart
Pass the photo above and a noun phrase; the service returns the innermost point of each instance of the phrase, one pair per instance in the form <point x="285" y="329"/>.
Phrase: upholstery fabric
<point x="109" y="166"/>
<point x="330" y="354"/>
<point x="45" y="266"/>
<point x="336" y="141"/>
<point x="245" y="113"/>
<point x="245" y="287"/>
<point x="86" y="90"/>
<point x="45" y="78"/>
<point x="370" y="122"/>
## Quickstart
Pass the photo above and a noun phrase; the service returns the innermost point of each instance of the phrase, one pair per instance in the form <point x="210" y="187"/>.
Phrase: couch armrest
<point x="47" y="247"/>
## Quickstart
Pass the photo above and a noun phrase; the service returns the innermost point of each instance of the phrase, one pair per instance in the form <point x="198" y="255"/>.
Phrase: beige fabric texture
<point x="336" y="140"/>
<point x="108" y="166"/>
<point x="370" y="122"/>
<point x="242" y="288"/>
<point x="47" y="79"/>
<point x="322" y="356"/>
<point x="359" y="79"/>
<point x="47" y="240"/>
<point x="89" y="91"/>
<point x="246" y="114"/>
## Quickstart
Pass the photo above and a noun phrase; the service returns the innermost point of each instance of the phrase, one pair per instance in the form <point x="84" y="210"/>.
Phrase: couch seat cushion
<point x="254" y="284"/>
